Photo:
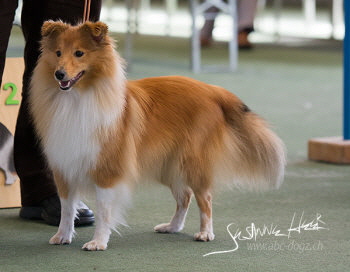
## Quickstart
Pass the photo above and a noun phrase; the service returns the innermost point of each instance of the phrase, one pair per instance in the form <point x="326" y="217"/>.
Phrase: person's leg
<point x="37" y="184"/>
<point x="246" y="10"/>
<point x="207" y="29"/>
<point x="7" y="14"/>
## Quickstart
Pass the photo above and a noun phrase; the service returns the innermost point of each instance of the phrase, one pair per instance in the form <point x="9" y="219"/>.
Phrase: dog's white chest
<point x="72" y="145"/>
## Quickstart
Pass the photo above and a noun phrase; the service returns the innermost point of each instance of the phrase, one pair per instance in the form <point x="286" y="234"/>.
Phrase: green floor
<point x="298" y="88"/>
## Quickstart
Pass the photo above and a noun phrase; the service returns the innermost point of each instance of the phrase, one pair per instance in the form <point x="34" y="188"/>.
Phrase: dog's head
<point x="77" y="55"/>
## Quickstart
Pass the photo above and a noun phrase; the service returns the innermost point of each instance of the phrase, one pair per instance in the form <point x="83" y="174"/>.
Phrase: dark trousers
<point x="7" y="14"/>
<point x="36" y="178"/>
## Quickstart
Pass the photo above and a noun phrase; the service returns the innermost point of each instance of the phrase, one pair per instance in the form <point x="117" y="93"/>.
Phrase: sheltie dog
<point x="100" y="131"/>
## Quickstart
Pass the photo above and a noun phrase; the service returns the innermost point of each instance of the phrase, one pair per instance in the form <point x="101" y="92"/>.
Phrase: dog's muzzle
<point x="65" y="84"/>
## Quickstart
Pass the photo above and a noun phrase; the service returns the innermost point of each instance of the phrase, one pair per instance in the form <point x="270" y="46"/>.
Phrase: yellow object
<point x="10" y="97"/>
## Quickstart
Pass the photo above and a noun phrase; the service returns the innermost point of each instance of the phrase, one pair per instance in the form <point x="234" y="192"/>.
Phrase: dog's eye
<point x="58" y="53"/>
<point x="78" y="53"/>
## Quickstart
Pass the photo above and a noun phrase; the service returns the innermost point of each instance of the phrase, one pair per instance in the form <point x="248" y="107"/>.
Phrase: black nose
<point x="59" y="74"/>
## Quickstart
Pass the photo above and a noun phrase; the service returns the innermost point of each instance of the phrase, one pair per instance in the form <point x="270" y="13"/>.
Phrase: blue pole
<point x="346" y="53"/>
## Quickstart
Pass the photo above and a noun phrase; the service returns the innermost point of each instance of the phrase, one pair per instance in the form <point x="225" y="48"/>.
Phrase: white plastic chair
<point x="197" y="9"/>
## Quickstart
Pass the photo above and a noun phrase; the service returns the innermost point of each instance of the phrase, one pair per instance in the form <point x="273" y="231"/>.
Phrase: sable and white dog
<point x="100" y="131"/>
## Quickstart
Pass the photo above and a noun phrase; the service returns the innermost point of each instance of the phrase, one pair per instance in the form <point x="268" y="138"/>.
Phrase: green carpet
<point x="298" y="88"/>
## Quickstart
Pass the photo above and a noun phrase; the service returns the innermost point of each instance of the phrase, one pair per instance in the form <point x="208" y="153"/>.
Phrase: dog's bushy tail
<point x="253" y="155"/>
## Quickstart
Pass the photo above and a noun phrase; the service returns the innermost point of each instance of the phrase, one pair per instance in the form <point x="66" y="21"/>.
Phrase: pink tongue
<point x="64" y="83"/>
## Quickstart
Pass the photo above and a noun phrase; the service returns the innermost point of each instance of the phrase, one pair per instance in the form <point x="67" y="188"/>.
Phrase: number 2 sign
<point x="11" y="97"/>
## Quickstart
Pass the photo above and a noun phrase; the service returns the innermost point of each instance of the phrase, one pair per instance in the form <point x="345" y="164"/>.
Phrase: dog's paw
<point x="204" y="236"/>
<point x="94" y="245"/>
<point x="59" y="239"/>
<point x="166" y="228"/>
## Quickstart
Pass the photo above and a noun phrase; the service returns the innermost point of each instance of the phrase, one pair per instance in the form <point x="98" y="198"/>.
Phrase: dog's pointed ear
<point x="52" y="27"/>
<point x="98" y="30"/>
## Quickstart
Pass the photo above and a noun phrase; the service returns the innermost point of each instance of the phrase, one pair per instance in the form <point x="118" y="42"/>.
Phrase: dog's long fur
<point x="107" y="133"/>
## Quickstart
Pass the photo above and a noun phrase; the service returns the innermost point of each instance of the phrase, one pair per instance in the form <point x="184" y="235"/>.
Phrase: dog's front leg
<point x="104" y="202"/>
<point x="111" y="206"/>
<point x="69" y="200"/>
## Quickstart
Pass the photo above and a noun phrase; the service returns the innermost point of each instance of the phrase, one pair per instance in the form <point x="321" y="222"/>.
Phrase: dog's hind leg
<point x="204" y="201"/>
<point x="198" y="172"/>
<point x="183" y="199"/>
<point x="111" y="204"/>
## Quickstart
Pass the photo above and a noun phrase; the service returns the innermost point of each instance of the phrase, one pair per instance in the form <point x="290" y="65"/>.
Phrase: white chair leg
<point x="199" y="9"/>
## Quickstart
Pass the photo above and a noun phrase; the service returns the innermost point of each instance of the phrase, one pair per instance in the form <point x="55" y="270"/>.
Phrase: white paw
<point x="204" y="236"/>
<point x="60" y="239"/>
<point x="95" y="245"/>
<point x="166" y="228"/>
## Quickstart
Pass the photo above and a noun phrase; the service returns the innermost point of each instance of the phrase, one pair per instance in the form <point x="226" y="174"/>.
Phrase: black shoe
<point x="50" y="211"/>
<point x="31" y="212"/>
